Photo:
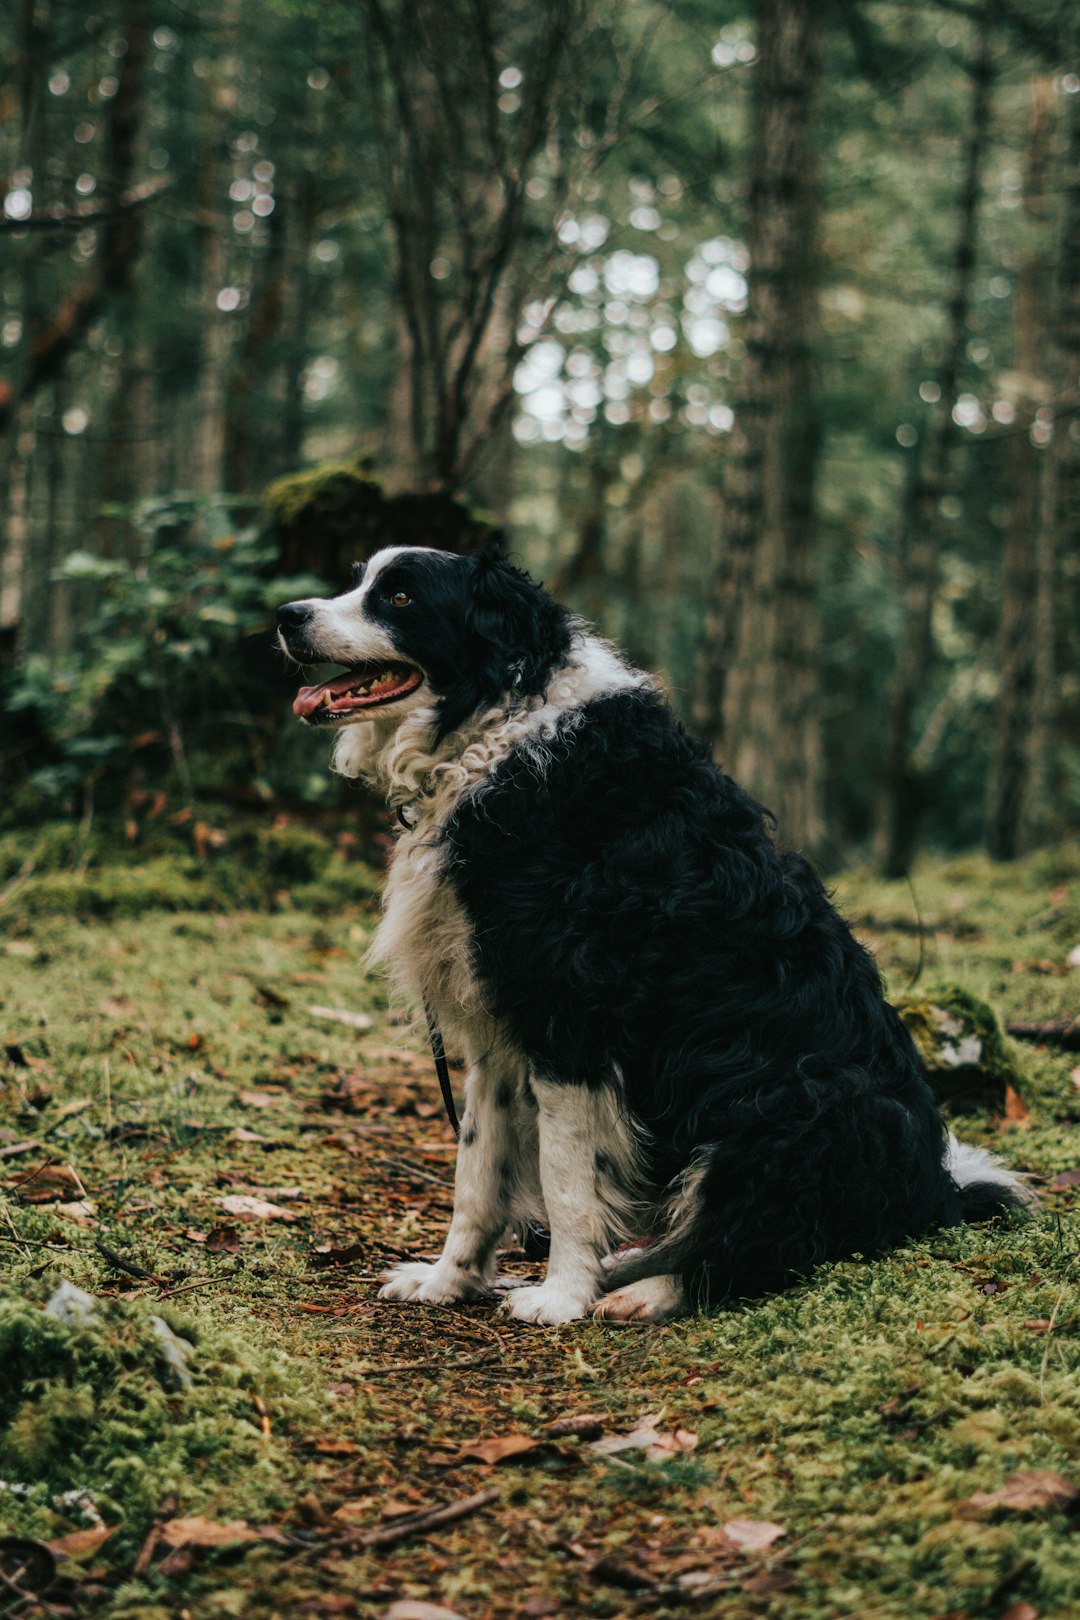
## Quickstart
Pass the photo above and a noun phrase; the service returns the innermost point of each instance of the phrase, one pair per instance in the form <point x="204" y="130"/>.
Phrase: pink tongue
<point x="309" y="698"/>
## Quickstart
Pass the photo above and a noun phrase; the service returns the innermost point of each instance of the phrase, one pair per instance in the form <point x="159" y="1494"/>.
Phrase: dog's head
<point x="425" y="627"/>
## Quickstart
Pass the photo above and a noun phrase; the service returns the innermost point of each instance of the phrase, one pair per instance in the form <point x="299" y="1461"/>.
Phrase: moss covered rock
<point x="968" y="1060"/>
<point x="106" y="1406"/>
<point x="328" y="517"/>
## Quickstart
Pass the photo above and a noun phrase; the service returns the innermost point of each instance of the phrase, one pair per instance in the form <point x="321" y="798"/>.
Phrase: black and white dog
<point x="671" y="1035"/>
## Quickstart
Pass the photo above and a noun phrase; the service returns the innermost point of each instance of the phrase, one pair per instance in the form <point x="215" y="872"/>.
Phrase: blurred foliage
<point x="266" y="310"/>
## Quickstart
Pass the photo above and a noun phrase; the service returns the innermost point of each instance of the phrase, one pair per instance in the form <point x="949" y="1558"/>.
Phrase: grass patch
<point x="169" y="1060"/>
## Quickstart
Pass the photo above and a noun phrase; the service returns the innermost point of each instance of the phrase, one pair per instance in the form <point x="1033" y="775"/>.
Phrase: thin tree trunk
<point x="1057" y="545"/>
<point x="918" y="538"/>
<point x="301" y="203"/>
<point x="759" y="666"/>
<point x="51" y="344"/>
<point x="244" y="467"/>
<point x="1020" y="561"/>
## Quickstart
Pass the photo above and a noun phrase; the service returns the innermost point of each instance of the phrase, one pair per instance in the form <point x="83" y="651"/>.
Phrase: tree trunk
<point x="759" y="668"/>
<point x="1057" y="545"/>
<point x="917" y="558"/>
<point x="1010" y="769"/>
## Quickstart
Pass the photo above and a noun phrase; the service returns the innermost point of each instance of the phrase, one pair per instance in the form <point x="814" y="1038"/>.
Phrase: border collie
<point x="673" y="1040"/>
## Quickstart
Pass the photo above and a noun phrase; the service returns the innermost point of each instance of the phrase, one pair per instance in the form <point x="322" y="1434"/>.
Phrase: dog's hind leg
<point x="587" y="1173"/>
<point x="498" y="1142"/>
<point x="653" y="1299"/>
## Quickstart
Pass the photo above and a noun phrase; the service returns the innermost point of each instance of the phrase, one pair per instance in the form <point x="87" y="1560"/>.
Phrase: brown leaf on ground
<point x="242" y="1134"/>
<point x="754" y="1535"/>
<point x="625" y="1576"/>
<point x="1027" y="1491"/>
<point x="223" y="1240"/>
<point x="1020" y="1611"/>
<point x="1067" y="1178"/>
<point x="1016" y="1112"/>
<point x="207" y="1532"/>
<point x="327" y="1255"/>
<point x="413" y="1609"/>
<point x="337" y="1448"/>
<point x="582" y="1426"/>
<point x="247" y="1208"/>
<point x="498" y="1449"/>
<point x="658" y="1445"/>
<point x="770" y="1580"/>
<point x="81" y="1543"/>
<point x="1039" y="1324"/>
<point x="257" y="1099"/>
<point x="46" y="1184"/>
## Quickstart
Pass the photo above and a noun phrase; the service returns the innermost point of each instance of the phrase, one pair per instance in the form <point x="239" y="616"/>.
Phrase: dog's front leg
<point x="574" y="1125"/>
<point x="487" y="1172"/>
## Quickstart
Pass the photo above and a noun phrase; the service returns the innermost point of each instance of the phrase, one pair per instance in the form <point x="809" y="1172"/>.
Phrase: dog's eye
<point x="400" y="599"/>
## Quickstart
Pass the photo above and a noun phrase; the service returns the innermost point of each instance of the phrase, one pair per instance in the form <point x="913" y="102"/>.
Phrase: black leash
<point x="442" y="1068"/>
<point x="534" y="1242"/>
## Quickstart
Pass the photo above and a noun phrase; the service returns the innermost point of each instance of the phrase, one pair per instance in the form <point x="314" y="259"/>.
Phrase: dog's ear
<point x="519" y="633"/>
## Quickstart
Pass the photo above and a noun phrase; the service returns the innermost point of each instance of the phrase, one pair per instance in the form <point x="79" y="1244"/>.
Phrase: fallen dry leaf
<point x="1039" y="1324"/>
<point x="1067" y="1178"/>
<point x="755" y="1535"/>
<point x="1020" y="1611"/>
<point x="1025" y="1492"/>
<point x="658" y="1446"/>
<point x="47" y="1184"/>
<point x="81" y="1543"/>
<point x="242" y="1134"/>
<point x="1016" y="1112"/>
<point x="207" y="1532"/>
<point x="583" y="1426"/>
<point x="413" y="1609"/>
<point x="341" y="1015"/>
<point x="498" y="1449"/>
<point x="327" y="1255"/>
<point x="245" y="1207"/>
<point x="257" y="1099"/>
<point x="223" y="1240"/>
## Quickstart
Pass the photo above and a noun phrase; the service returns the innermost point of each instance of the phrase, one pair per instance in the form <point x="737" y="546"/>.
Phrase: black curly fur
<point x="632" y="918"/>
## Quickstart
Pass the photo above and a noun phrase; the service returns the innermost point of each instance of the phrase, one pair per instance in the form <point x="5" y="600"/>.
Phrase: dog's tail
<point x="696" y="1243"/>
<point x="987" y="1187"/>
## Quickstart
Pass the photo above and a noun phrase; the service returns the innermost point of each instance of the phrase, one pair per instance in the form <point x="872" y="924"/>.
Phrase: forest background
<point x="753" y="331"/>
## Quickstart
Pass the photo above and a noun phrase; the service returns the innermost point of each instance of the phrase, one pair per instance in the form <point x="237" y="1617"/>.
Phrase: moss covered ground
<point x="189" y="1131"/>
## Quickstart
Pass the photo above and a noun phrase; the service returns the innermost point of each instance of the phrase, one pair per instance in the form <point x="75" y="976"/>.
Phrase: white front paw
<point x="437" y="1284"/>
<point x="548" y="1304"/>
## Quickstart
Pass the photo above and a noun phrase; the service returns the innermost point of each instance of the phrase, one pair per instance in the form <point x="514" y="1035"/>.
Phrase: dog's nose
<point x="293" y="616"/>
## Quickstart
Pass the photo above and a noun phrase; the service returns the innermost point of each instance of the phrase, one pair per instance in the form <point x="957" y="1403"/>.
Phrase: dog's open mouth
<point x="368" y="686"/>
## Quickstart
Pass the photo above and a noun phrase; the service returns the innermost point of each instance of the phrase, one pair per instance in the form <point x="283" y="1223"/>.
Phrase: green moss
<point x="93" y="1406"/>
<point x="335" y="513"/>
<point x="967" y="1058"/>
<point x="334" y="489"/>
<point x="860" y="1410"/>
<point x="60" y="873"/>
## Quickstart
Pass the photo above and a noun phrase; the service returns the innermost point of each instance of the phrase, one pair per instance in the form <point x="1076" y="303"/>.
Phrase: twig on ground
<point x="415" y="1524"/>
<point x="132" y="1269"/>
